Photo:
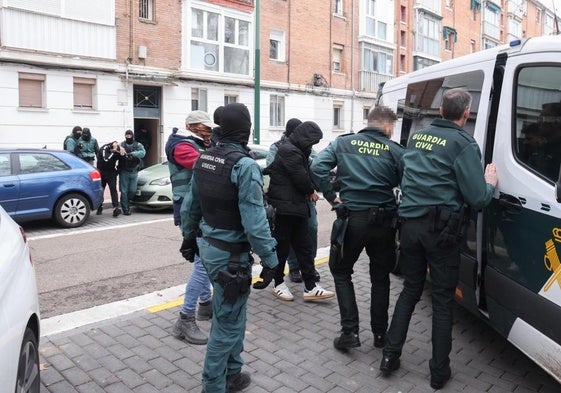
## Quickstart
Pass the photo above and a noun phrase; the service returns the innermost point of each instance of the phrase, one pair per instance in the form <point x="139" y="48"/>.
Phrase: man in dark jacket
<point x="107" y="161"/>
<point x="290" y="190"/>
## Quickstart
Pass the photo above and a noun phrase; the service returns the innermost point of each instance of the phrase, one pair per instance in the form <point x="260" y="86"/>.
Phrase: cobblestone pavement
<point x="288" y="348"/>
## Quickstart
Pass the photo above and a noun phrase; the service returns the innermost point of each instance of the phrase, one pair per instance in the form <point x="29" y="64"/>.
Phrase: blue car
<point x="40" y="184"/>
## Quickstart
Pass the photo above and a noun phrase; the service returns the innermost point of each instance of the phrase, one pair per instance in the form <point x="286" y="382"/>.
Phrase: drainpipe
<point x="352" y="64"/>
<point x="131" y="42"/>
<point x="257" y="90"/>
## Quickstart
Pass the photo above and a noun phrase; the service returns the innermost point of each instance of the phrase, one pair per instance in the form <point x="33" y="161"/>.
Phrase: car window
<point x="40" y="162"/>
<point x="537" y="130"/>
<point x="5" y="167"/>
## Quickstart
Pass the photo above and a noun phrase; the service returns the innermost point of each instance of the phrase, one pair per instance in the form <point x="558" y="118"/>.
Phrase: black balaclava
<point x="235" y="124"/>
<point x="129" y="137"/>
<point x="217" y="118"/>
<point x="86" y="134"/>
<point x="291" y="126"/>
<point x="76" y="132"/>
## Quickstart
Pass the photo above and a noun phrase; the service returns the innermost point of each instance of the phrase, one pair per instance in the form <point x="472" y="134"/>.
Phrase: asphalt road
<point x="109" y="259"/>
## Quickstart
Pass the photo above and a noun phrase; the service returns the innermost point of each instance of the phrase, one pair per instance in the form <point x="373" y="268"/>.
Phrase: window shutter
<point x="31" y="90"/>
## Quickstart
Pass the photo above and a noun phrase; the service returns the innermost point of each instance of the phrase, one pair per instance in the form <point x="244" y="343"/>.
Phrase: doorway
<point x="147" y="121"/>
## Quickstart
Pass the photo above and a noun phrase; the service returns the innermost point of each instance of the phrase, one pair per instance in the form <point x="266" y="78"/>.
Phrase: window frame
<point x="199" y="99"/>
<point x="338" y="7"/>
<point x="84" y="90"/>
<point x="211" y="46"/>
<point x="338" y="116"/>
<point x="337" y="54"/>
<point x="276" y="110"/>
<point x="279" y="37"/>
<point x="31" y="90"/>
<point x="146" y="10"/>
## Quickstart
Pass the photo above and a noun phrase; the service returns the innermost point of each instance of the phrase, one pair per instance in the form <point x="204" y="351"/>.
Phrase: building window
<point x="230" y="98"/>
<point x="377" y="59"/>
<point x="403" y="38"/>
<point x="402" y="63"/>
<point x="31" y="88"/>
<point x="428" y="37"/>
<point x="84" y="89"/>
<point x="276" y="111"/>
<point x="338" y="116"/>
<point x="146" y="9"/>
<point x="450" y="37"/>
<point x="365" y="112"/>
<point x="337" y="57"/>
<point x="338" y="7"/>
<point x="198" y="99"/>
<point x="213" y="51"/>
<point x="471" y="46"/>
<point x="514" y="28"/>
<point x="491" y="21"/>
<point x="420" y="63"/>
<point x="538" y="16"/>
<point x="487" y="43"/>
<point x="547" y="24"/>
<point x="403" y="14"/>
<point x="433" y="5"/>
<point x="276" y="41"/>
<point x="374" y="27"/>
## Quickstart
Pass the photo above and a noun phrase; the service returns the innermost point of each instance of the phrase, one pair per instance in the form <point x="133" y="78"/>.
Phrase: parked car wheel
<point x="72" y="210"/>
<point x="28" y="367"/>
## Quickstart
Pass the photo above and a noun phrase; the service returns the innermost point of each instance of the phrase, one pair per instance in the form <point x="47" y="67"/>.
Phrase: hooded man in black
<point x="290" y="190"/>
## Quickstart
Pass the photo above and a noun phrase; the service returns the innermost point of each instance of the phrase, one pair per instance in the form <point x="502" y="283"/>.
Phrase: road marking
<point x="153" y="302"/>
<point x="97" y="229"/>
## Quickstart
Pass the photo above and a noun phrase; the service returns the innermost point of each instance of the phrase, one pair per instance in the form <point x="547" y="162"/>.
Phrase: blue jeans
<point x="313" y="230"/>
<point x="127" y="185"/>
<point x="198" y="286"/>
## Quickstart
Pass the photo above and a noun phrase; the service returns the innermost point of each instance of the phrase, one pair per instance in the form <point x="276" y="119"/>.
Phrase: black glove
<point x="267" y="274"/>
<point x="189" y="248"/>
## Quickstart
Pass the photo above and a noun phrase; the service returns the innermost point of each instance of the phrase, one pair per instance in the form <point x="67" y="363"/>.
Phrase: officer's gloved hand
<point x="189" y="248"/>
<point x="267" y="274"/>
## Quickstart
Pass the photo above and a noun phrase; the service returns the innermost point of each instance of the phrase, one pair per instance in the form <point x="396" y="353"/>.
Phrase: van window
<point x="423" y="99"/>
<point x="537" y="125"/>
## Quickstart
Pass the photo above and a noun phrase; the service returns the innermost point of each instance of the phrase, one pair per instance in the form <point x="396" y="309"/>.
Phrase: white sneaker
<point x="283" y="293"/>
<point x="317" y="293"/>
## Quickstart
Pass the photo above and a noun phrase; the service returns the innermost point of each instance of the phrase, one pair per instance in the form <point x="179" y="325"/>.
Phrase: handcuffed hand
<point x="267" y="274"/>
<point x="189" y="248"/>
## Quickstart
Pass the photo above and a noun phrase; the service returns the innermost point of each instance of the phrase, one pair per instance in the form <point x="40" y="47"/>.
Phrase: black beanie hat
<point x="291" y="125"/>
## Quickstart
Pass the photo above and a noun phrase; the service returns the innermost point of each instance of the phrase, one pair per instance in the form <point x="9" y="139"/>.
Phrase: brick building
<point x="113" y="65"/>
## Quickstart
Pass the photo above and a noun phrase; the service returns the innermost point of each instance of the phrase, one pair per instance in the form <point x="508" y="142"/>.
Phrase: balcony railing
<point x="369" y="80"/>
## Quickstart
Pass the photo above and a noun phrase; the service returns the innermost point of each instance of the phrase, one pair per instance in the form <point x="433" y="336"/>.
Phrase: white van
<point x="511" y="257"/>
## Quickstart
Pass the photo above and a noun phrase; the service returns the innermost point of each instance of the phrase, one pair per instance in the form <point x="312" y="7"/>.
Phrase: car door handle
<point x="10" y="185"/>
<point x="510" y="202"/>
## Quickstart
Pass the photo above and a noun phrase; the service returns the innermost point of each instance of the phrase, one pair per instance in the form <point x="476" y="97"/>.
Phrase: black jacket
<point x="290" y="182"/>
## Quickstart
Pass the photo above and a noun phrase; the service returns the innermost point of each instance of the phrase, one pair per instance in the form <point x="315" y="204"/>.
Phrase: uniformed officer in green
<point x="226" y="199"/>
<point x="89" y="146"/>
<point x="442" y="171"/>
<point x="368" y="171"/>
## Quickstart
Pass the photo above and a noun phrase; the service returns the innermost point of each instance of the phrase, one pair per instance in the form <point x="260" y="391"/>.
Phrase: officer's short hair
<point x="381" y="114"/>
<point x="454" y="103"/>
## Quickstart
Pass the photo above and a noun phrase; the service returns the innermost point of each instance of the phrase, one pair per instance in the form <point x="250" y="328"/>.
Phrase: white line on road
<point x="97" y="229"/>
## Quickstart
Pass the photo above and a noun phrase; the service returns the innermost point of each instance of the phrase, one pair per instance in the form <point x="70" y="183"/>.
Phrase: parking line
<point x="97" y="229"/>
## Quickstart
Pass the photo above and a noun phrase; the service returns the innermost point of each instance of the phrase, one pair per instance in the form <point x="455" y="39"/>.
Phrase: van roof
<point x="540" y="44"/>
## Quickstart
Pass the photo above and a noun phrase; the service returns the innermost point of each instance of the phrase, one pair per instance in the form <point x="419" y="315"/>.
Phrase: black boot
<point x="99" y="209"/>
<point x="237" y="382"/>
<point x="204" y="312"/>
<point x="346" y="341"/>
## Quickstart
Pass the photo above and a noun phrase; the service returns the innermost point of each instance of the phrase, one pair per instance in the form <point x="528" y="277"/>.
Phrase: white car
<point x="19" y="311"/>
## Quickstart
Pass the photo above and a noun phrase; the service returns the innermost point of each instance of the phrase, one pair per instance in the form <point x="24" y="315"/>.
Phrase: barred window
<point x="146" y="9"/>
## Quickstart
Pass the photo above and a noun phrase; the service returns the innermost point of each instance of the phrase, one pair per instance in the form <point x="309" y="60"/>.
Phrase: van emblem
<point x="551" y="259"/>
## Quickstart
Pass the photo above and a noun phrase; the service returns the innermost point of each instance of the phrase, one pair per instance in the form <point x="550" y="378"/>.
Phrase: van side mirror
<point x="558" y="186"/>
